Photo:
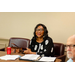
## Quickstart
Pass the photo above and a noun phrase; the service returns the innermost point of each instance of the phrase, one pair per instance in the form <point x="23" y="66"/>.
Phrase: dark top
<point x="46" y="48"/>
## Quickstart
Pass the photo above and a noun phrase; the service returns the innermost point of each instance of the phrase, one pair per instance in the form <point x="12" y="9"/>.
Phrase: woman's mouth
<point x="38" y="34"/>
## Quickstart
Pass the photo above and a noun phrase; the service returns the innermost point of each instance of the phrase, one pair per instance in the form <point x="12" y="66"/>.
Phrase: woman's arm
<point x="28" y="51"/>
<point x="48" y="49"/>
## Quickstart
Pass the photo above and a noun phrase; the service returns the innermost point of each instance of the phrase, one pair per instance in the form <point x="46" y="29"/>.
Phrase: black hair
<point x="45" y="31"/>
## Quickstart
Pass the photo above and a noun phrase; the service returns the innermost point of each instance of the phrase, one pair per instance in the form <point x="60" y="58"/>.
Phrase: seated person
<point x="41" y="43"/>
<point x="70" y="47"/>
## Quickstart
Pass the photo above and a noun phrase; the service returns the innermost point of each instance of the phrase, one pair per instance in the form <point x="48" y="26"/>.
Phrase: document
<point x="30" y="57"/>
<point x="9" y="57"/>
<point x="37" y="58"/>
<point x="48" y="59"/>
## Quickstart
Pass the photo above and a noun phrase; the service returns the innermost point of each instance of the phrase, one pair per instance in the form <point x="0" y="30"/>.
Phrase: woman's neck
<point x="39" y="40"/>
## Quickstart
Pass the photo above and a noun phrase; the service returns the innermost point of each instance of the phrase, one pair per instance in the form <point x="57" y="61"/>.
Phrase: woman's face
<point x="39" y="31"/>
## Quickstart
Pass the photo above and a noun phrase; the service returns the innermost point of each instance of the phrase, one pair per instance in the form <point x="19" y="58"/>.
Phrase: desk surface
<point x="2" y="53"/>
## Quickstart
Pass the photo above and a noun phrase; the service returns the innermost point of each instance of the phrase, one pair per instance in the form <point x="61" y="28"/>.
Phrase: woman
<point x="41" y="44"/>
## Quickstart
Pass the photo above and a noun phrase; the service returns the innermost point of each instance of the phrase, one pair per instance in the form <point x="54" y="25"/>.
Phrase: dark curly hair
<point x="45" y="31"/>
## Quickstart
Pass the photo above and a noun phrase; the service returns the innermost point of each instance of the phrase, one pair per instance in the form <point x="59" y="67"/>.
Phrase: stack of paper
<point x="9" y="57"/>
<point x="48" y="59"/>
<point x="30" y="57"/>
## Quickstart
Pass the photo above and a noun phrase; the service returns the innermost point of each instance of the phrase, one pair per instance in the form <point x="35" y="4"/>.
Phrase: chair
<point x="18" y="42"/>
<point x="59" y="49"/>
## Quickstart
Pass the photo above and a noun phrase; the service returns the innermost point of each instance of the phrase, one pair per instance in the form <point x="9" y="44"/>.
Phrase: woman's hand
<point x="28" y="51"/>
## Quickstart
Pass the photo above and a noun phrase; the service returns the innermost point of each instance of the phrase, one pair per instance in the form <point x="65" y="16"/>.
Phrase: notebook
<point x="30" y="57"/>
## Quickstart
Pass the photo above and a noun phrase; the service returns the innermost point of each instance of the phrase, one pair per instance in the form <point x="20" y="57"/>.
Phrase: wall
<point x="3" y="42"/>
<point x="60" y="25"/>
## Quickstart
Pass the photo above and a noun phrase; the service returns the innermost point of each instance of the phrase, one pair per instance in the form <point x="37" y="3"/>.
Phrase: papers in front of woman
<point x="37" y="58"/>
<point x="9" y="57"/>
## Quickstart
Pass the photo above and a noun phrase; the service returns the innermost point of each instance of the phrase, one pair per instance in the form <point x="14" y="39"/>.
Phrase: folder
<point x="37" y="58"/>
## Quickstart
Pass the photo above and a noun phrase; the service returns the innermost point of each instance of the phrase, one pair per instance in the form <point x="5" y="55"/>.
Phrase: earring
<point x="43" y="36"/>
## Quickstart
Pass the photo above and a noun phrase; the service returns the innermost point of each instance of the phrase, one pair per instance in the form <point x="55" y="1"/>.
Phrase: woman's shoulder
<point x="48" y="38"/>
<point x="48" y="41"/>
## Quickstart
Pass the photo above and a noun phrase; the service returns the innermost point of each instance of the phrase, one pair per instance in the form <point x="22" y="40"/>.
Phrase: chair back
<point x="19" y="42"/>
<point x="59" y="49"/>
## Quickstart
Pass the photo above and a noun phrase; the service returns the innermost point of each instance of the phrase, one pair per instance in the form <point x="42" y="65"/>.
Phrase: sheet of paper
<point x="9" y="57"/>
<point x="47" y="59"/>
<point x="30" y="56"/>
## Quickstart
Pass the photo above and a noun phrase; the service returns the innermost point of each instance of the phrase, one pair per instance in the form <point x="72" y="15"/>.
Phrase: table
<point x="2" y="53"/>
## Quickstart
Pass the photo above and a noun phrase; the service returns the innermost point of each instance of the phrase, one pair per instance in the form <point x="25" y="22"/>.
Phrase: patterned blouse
<point x="46" y="48"/>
